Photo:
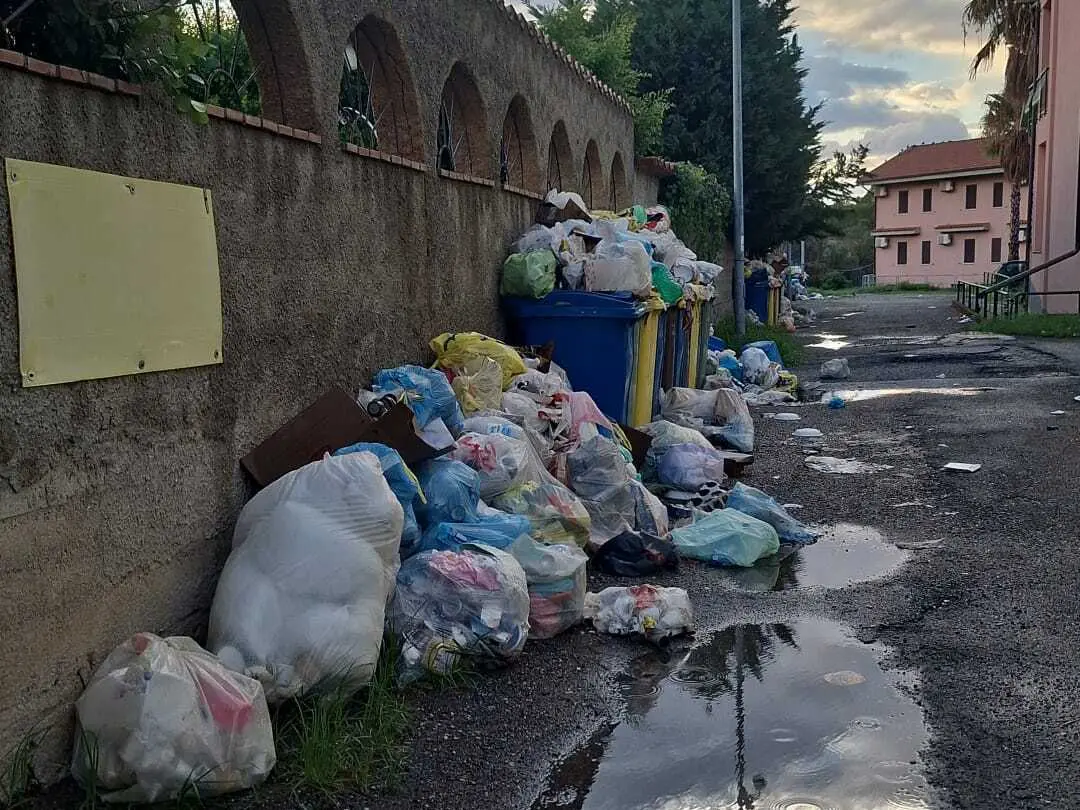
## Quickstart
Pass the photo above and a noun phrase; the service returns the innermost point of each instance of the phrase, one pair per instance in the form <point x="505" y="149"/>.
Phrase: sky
<point x="891" y="73"/>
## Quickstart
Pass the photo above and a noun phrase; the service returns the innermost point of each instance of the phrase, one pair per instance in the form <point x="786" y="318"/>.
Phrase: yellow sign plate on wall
<point x="115" y="275"/>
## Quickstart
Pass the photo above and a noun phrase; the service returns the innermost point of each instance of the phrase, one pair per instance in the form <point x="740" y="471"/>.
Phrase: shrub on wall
<point x="700" y="208"/>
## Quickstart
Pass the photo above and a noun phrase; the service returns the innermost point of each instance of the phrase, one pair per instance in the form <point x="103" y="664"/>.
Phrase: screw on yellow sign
<point x="115" y="275"/>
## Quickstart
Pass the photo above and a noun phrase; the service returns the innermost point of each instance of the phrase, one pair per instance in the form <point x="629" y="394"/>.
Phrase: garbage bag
<point x="586" y="419"/>
<point x="562" y="206"/>
<point x="162" y="718"/>
<point x="772" y="351"/>
<point x="635" y="554"/>
<point x="708" y="272"/>
<point x="754" y="502"/>
<point x="301" y="600"/>
<point x="667" y="434"/>
<point x="689" y="402"/>
<point x="503" y="461"/>
<point x="557" y="579"/>
<point x="457" y="348"/>
<point x="555" y="514"/>
<point x="721" y="379"/>
<point x="652" y="515"/>
<point x="451" y="606"/>
<point x="451" y="490"/>
<point x="529" y="275"/>
<point x="727" y="360"/>
<point x="490" y="424"/>
<point x="665" y="284"/>
<point x="758" y="369"/>
<point x="646" y="610"/>
<point x="598" y="474"/>
<point x="688" y="466"/>
<point x="541" y="237"/>
<point x="541" y="387"/>
<point x="404" y="484"/>
<point x="619" y="266"/>
<point x="737" y="425"/>
<point x="477" y="385"/>
<point x="835" y="369"/>
<point x="427" y="392"/>
<point x="497" y="531"/>
<point x="727" y="537"/>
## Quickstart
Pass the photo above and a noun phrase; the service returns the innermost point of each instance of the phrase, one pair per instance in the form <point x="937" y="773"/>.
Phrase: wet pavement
<point x="957" y="613"/>
<point x="789" y="716"/>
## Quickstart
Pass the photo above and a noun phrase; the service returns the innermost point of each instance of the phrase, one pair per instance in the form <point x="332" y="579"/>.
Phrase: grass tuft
<point x="17" y="779"/>
<point x="1032" y="325"/>
<point x="334" y="742"/>
<point x="791" y="350"/>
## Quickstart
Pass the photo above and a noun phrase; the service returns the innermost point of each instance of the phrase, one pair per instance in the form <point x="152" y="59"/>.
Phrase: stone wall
<point x="118" y="496"/>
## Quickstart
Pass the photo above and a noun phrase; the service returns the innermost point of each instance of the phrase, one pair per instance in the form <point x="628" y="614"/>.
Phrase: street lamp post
<point x="739" y="289"/>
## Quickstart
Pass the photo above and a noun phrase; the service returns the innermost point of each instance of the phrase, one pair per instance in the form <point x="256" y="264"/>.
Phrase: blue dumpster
<point x="772" y="351"/>
<point x="594" y="337"/>
<point x="757" y="293"/>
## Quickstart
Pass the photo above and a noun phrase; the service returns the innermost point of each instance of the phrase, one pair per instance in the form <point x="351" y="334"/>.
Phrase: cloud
<point x="887" y="26"/>
<point x="832" y="77"/>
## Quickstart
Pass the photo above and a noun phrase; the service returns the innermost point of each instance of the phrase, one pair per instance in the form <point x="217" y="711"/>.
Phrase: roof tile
<point x="950" y="157"/>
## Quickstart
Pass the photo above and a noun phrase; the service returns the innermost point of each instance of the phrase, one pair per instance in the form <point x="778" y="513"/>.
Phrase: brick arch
<point x="619" y="194"/>
<point x="560" y="173"/>
<point x="382" y="82"/>
<point x="463" y="141"/>
<point x="283" y="69"/>
<point x="518" y="165"/>
<point x="592" y="177"/>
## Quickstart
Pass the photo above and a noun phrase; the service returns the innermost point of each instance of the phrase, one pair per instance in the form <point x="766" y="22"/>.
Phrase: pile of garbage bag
<point x="758" y="373"/>
<point x="645" y="610"/>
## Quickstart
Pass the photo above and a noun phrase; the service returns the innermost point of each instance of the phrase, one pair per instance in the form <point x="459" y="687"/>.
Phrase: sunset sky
<point x="891" y="72"/>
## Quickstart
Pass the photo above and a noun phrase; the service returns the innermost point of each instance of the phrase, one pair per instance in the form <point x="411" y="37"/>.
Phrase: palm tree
<point x="1011" y="24"/>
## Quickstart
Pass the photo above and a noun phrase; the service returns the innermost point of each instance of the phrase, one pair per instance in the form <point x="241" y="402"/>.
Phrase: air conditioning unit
<point x="945" y="239"/>
<point x="948" y="185"/>
<point x="881" y="241"/>
<point x="1022" y="235"/>
<point x="881" y="191"/>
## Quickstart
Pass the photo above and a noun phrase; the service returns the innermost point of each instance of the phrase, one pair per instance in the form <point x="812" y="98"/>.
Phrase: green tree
<point x="686" y="45"/>
<point x="700" y="206"/>
<point x="1009" y="24"/>
<point x="599" y="36"/>
<point x="839" y="258"/>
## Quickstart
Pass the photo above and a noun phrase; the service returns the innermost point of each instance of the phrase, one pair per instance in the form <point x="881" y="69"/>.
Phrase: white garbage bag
<point x="616" y="265"/>
<point x="835" y="369"/>
<point x="645" y="610"/>
<point x="163" y="719"/>
<point x="302" y="598"/>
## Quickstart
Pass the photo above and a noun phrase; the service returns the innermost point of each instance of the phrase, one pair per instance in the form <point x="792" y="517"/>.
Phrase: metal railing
<point x="1038" y="101"/>
<point x="1009" y="296"/>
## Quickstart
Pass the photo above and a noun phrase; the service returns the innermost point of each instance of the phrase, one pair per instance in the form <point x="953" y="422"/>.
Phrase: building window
<point x="901" y="252"/>
<point x="999" y="195"/>
<point x="995" y="249"/>
<point x="969" y="251"/>
<point x="902" y="202"/>
<point x="927" y="199"/>
<point x="972" y="199"/>
<point x="926" y="251"/>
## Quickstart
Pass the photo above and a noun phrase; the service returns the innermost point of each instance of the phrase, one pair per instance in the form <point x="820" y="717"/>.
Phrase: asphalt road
<point x="984" y="613"/>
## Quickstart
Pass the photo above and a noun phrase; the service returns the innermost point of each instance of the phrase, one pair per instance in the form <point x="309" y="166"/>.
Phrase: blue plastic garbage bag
<point x="688" y="466"/>
<point x="403" y="484"/>
<point x="496" y="531"/>
<point x="726" y="537"/>
<point x="427" y="391"/>
<point x="451" y="489"/>
<point x="733" y="365"/>
<point x="754" y="502"/>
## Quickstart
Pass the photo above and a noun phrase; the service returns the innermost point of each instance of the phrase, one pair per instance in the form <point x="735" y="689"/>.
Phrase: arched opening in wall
<point x="592" y="178"/>
<point x="560" y="173"/>
<point x="463" y="144"/>
<point x="620" y="196"/>
<point x="517" y="153"/>
<point x="198" y="53"/>
<point x="377" y="106"/>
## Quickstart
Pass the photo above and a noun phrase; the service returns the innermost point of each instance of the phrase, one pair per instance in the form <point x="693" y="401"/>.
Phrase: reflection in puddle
<point x="878" y="393"/>
<point x="831" y="342"/>
<point x="845" y="554"/>
<point x="796" y="716"/>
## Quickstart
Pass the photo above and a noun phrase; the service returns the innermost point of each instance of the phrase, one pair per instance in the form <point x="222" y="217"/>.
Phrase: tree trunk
<point x="1014" y="224"/>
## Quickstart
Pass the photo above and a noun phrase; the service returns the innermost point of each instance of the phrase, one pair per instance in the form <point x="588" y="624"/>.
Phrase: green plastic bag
<point x="665" y="284"/>
<point x="529" y="275"/>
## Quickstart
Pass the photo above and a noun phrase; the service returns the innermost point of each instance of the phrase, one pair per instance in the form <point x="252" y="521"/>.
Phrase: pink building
<point x="1056" y="102"/>
<point x="942" y="214"/>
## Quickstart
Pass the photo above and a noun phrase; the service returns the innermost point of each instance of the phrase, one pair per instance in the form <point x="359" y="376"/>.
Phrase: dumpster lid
<point x="577" y="304"/>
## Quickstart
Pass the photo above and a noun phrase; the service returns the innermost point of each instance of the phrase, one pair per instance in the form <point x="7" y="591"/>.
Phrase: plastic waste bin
<point x="772" y="351"/>
<point x="594" y="337"/>
<point x="644" y="399"/>
<point x="695" y="347"/>
<point x="757" y="294"/>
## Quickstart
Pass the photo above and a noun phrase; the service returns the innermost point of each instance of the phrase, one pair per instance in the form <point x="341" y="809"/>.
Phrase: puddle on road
<point x="844" y="555"/>
<point x="795" y="716"/>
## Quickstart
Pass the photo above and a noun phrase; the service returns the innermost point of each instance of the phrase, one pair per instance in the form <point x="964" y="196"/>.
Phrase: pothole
<point x="844" y="555"/>
<point x="797" y="716"/>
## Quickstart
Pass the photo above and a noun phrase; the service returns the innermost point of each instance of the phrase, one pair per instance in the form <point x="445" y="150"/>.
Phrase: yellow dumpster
<point x="643" y="384"/>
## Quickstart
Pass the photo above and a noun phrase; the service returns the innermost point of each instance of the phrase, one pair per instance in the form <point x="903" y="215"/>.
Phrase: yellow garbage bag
<point x="458" y="348"/>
